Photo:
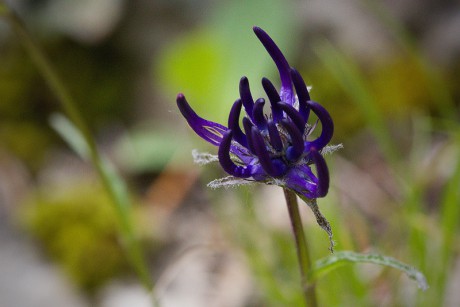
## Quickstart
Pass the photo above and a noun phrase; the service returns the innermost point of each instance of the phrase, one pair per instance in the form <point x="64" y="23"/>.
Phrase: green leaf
<point x="116" y="188"/>
<point x="145" y="148"/>
<point x="67" y="130"/>
<point x="331" y="262"/>
<point x="70" y="133"/>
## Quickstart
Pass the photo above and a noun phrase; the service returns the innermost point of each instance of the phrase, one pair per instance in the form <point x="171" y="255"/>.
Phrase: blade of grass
<point x="249" y="235"/>
<point x="76" y="141"/>
<point x="431" y="239"/>
<point x="78" y="134"/>
<point x="450" y="209"/>
<point x="348" y="76"/>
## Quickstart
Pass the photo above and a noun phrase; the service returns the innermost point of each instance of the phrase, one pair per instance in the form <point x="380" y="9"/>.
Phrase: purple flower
<point x="275" y="149"/>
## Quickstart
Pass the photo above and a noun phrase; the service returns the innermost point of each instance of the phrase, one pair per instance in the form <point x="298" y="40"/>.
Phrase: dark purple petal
<point x="243" y="153"/>
<point x="263" y="155"/>
<point x="247" y="125"/>
<point x="294" y="151"/>
<point x="294" y="115"/>
<point x="281" y="63"/>
<point x="275" y="138"/>
<point x="226" y="162"/>
<point x="234" y="123"/>
<point x="246" y="97"/>
<point x="274" y="98"/>
<point x="207" y="130"/>
<point x="302" y="93"/>
<point x="322" y="173"/>
<point x="258" y="114"/>
<point x="327" y="127"/>
<point x="301" y="180"/>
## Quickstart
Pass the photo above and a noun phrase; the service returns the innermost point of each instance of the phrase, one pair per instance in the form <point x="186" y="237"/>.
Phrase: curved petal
<point x="282" y="64"/>
<point x="207" y="130"/>
<point x="243" y="153"/>
<point x="258" y="116"/>
<point x="327" y="127"/>
<point x="274" y="169"/>
<point x="274" y="98"/>
<point x="247" y="126"/>
<point x="226" y="162"/>
<point x="246" y="96"/>
<point x="294" y="115"/>
<point x="295" y="150"/>
<point x="275" y="138"/>
<point x="234" y="123"/>
<point x="301" y="180"/>
<point x="322" y="173"/>
<point x="302" y="93"/>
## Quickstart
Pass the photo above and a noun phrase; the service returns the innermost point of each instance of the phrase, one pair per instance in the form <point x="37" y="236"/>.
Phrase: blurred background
<point x="387" y="71"/>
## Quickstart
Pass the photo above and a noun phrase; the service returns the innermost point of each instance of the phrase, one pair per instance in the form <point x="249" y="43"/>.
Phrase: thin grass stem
<point x="105" y="173"/>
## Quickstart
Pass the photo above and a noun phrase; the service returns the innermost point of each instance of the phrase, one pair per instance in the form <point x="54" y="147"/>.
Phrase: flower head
<point x="275" y="149"/>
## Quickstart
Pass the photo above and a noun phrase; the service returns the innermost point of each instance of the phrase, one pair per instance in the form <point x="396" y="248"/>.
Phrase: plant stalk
<point x="303" y="254"/>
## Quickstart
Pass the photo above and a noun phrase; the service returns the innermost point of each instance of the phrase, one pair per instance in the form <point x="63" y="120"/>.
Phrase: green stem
<point x="303" y="253"/>
<point x="133" y="249"/>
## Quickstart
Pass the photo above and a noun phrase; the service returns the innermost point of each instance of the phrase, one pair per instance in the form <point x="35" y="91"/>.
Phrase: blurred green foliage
<point x="401" y="88"/>
<point x="77" y="227"/>
<point x="146" y="149"/>
<point x="207" y="63"/>
<point x="21" y="131"/>
<point x="270" y="252"/>
<point x="397" y="84"/>
<point x="96" y="77"/>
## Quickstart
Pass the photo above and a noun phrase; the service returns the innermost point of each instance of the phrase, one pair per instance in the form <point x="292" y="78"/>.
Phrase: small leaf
<point x="146" y="149"/>
<point x="117" y="186"/>
<point x="329" y="149"/>
<point x="228" y="182"/>
<point x="67" y="130"/>
<point x="331" y="262"/>
<point x="203" y="158"/>
<point x="70" y="133"/>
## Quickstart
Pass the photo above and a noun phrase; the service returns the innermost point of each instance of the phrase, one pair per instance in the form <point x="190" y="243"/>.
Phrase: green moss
<point x="78" y="229"/>
<point x="400" y="86"/>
